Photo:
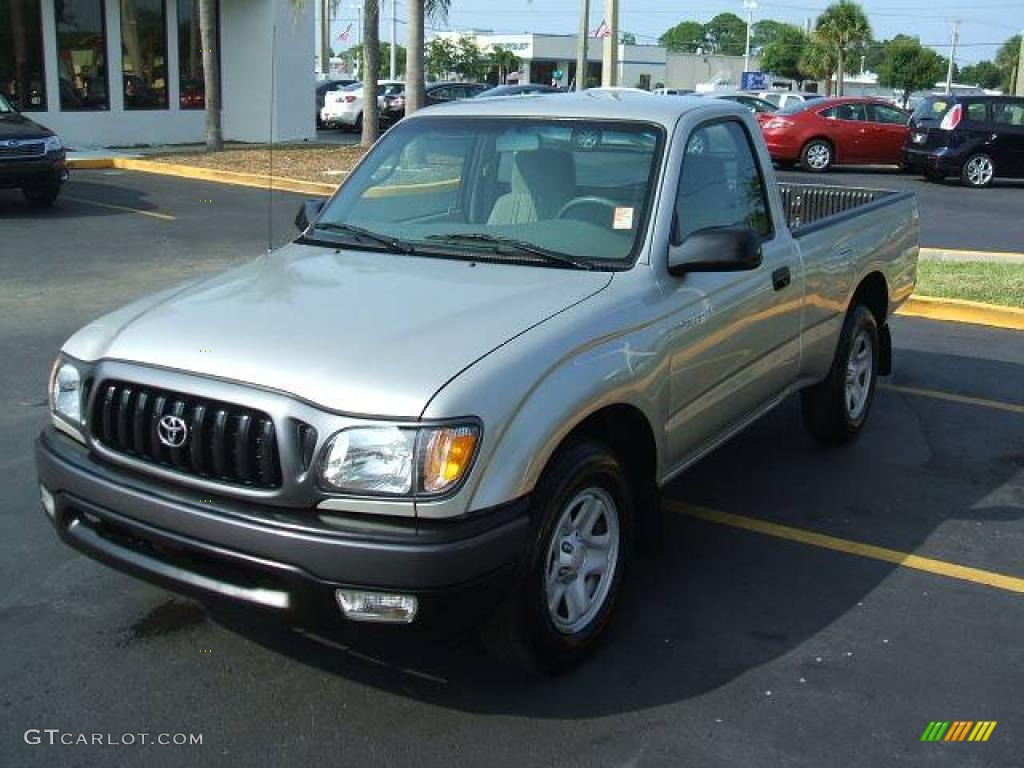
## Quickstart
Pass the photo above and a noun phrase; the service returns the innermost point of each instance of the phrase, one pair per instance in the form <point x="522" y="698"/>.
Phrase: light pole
<point x="394" y="37"/>
<point x="751" y="6"/>
<point x="952" y="56"/>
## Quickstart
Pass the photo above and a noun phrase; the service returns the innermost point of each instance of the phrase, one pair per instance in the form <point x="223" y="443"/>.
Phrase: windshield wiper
<point x="522" y="246"/>
<point x="393" y="244"/>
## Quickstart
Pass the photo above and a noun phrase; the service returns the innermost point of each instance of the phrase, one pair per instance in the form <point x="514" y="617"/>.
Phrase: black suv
<point x="31" y="157"/>
<point x="977" y="138"/>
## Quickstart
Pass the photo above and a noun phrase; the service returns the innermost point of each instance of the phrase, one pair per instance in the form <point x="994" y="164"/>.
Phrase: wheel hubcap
<point x="858" y="375"/>
<point x="818" y="156"/>
<point x="979" y="170"/>
<point x="582" y="560"/>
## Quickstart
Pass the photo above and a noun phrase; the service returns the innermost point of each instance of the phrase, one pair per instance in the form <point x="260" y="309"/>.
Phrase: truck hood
<point x="356" y="332"/>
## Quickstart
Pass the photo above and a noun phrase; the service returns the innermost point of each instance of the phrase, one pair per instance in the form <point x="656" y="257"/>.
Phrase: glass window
<point x="144" y="53"/>
<point x="855" y="112"/>
<point x="977" y="112"/>
<point x="1008" y="113"/>
<point x="720" y="184"/>
<point x="458" y="186"/>
<point x="889" y="115"/>
<point x="81" y="54"/>
<point x="22" y="78"/>
<point x="192" y="86"/>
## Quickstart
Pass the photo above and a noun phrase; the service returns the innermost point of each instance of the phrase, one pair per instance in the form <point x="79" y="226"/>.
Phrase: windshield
<point x="5" y="107"/>
<point x="793" y="107"/>
<point x="581" y="189"/>
<point x="931" y="110"/>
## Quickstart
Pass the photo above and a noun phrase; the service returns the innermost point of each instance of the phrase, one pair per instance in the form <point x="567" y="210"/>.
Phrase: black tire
<point x="978" y="171"/>
<point x="357" y="126"/>
<point x="933" y="174"/>
<point x="817" y="156"/>
<point x="828" y="411"/>
<point x="42" y="197"/>
<point x="522" y="632"/>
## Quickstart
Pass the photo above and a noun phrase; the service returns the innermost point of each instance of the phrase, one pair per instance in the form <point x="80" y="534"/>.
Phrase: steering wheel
<point x="586" y="200"/>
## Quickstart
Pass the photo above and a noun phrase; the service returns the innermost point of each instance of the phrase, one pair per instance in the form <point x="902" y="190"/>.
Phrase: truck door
<point x="733" y="337"/>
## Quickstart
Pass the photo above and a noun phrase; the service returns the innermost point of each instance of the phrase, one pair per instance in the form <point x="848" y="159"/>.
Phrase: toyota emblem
<point x="172" y="431"/>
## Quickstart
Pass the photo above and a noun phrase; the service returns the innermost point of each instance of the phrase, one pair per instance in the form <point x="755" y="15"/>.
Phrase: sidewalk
<point x="991" y="257"/>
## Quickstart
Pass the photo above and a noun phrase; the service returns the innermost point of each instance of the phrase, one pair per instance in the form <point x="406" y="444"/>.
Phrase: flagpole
<point x="581" y="46"/>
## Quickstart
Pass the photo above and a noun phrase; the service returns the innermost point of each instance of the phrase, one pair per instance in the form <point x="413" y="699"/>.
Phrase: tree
<point x="908" y="66"/>
<point x="470" y="62"/>
<point x="355" y="53"/>
<point x="768" y="31"/>
<point x="782" y="55"/>
<point x="414" y="80"/>
<point x="211" y="74"/>
<point x="371" y="69"/>
<point x="628" y="38"/>
<point x="818" y="62"/>
<point x="841" y="26"/>
<point x="504" y="61"/>
<point x="984" y="74"/>
<point x="728" y="33"/>
<point x="442" y="56"/>
<point x="1006" y="60"/>
<point x="684" y="37"/>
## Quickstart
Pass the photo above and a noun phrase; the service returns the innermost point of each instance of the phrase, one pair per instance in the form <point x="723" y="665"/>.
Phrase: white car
<point x="345" y="107"/>
<point x="783" y="98"/>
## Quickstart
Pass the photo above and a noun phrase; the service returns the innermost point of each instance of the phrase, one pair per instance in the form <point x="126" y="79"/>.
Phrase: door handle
<point x="780" y="278"/>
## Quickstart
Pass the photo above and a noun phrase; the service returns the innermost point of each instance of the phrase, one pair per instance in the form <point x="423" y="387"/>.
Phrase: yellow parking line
<point x="998" y="405"/>
<point x="870" y="551"/>
<point x="154" y="214"/>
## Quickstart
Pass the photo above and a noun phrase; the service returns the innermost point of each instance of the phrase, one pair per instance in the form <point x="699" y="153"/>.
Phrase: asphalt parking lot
<point x="747" y="641"/>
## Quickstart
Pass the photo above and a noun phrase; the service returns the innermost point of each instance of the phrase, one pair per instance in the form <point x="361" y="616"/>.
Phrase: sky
<point x="985" y="24"/>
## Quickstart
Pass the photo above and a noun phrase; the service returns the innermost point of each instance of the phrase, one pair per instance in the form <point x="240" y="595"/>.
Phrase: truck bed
<point x="809" y="206"/>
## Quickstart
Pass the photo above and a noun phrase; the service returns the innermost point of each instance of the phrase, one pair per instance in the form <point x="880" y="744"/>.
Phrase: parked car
<point x="32" y="157"/>
<point x="322" y="89"/>
<point x="519" y="319"/>
<point x="522" y="89"/>
<point x="672" y="91"/>
<point x="977" y="138"/>
<point x="344" y="107"/>
<point x="844" y="131"/>
<point x="756" y="104"/>
<point x="783" y="99"/>
<point x="393" y="108"/>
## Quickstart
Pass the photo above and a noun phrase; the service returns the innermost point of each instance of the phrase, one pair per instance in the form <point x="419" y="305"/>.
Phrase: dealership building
<point x="130" y="72"/>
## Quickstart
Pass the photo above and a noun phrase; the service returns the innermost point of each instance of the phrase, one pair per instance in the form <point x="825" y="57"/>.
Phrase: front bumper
<point x="224" y="549"/>
<point x="34" y="172"/>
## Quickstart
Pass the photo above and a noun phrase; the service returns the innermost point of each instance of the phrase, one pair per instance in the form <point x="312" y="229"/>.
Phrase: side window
<point x="720" y="184"/>
<point x="1008" y="114"/>
<point x="442" y="94"/>
<point x="977" y="112"/>
<point x="888" y="115"/>
<point x="853" y="112"/>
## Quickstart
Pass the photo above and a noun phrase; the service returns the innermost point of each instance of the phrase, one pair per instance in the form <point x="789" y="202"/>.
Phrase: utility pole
<point x="610" y="58"/>
<point x="1019" y="86"/>
<point x="581" y="46"/>
<point x="750" y="5"/>
<point x="325" y="37"/>
<point x="952" y="56"/>
<point x="394" y="38"/>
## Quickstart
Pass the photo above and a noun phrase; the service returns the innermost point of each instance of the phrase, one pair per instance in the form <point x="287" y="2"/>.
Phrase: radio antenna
<point x="270" y="176"/>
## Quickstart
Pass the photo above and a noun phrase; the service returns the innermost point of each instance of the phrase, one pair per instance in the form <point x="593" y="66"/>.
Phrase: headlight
<point x="66" y="391"/>
<point x="53" y="144"/>
<point x="399" y="461"/>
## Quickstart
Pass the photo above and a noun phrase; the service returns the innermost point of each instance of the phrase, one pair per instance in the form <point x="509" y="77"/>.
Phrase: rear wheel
<point x="836" y="410"/>
<point x="816" y="156"/>
<point x="42" y="196"/>
<point x="567" y="584"/>
<point x="978" y="171"/>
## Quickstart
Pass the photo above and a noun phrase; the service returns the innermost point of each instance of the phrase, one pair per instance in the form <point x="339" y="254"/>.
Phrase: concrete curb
<point x="259" y="181"/>
<point x="951" y="254"/>
<point x="961" y="311"/>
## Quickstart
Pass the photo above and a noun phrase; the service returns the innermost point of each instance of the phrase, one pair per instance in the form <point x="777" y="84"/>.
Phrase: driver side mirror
<point x="307" y="213"/>
<point x="718" y="249"/>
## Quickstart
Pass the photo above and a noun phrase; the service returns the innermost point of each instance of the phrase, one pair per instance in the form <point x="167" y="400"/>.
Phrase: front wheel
<point x="566" y="586"/>
<point x="836" y="410"/>
<point x="816" y="156"/>
<point x="42" y="196"/>
<point x="978" y="171"/>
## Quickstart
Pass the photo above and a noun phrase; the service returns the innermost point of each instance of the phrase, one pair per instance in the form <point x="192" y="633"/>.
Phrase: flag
<point x="603" y="30"/>
<point x="344" y="36"/>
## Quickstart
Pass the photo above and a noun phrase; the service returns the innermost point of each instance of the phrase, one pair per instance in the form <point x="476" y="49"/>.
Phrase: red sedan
<point x="845" y="131"/>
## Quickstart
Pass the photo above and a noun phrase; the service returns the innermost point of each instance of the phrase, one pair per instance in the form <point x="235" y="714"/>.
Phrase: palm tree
<point x="505" y="61"/>
<point x="419" y="10"/>
<point x="211" y="74"/>
<point x="818" y="62"/>
<point x="841" y="26"/>
<point x="371" y="69"/>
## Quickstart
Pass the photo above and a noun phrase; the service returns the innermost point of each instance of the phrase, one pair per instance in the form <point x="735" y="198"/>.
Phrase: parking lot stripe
<point x="847" y="546"/>
<point x="153" y="214"/>
<point x="998" y="405"/>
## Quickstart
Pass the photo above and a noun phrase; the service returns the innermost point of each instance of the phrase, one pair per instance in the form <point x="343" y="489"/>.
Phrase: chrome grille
<point x="224" y="442"/>
<point x="25" y="148"/>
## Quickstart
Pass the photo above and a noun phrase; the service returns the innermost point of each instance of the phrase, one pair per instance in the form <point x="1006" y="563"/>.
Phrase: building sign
<point x="754" y="81"/>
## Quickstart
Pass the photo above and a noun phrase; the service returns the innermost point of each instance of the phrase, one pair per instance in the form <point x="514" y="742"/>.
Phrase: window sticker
<point x="623" y="218"/>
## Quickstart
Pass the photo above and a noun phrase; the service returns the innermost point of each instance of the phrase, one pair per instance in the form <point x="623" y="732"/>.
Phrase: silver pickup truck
<point x="455" y="397"/>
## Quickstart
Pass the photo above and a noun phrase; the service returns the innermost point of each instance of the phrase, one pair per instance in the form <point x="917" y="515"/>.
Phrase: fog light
<point x="48" y="502"/>
<point x="376" y="606"/>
